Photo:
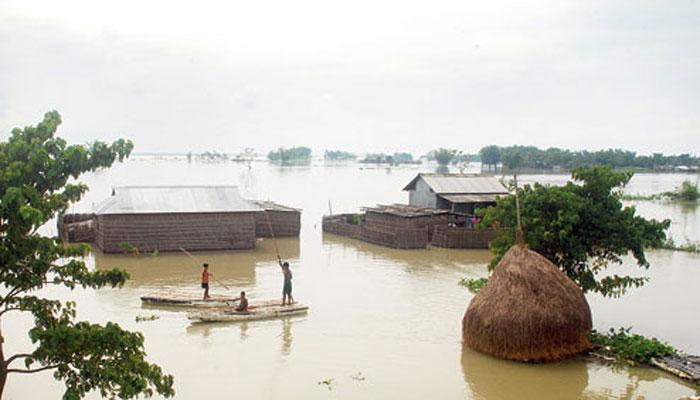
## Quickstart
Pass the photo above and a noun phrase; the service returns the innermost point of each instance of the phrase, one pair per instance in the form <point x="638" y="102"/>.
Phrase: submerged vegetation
<point x="688" y="191"/>
<point x="581" y="227"/>
<point x="625" y="346"/>
<point x="144" y="318"/>
<point x="689" y="246"/>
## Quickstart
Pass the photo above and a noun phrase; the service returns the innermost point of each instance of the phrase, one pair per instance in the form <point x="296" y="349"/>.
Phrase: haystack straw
<point x="528" y="311"/>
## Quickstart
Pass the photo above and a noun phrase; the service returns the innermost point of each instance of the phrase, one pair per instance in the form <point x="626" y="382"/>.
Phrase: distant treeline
<point x="529" y="157"/>
<point x="338" y="155"/>
<point x="293" y="154"/>
<point x="392" y="159"/>
<point x="535" y="158"/>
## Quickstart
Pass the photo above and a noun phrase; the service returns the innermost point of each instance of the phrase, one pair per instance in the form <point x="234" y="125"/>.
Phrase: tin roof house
<point x="167" y="218"/>
<point x="458" y="193"/>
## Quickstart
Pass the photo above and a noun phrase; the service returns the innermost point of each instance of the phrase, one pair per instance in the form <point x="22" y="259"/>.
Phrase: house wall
<point x="170" y="232"/>
<point x="399" y="238"/>
<point x="283" y="223"/>
<point x="422" y="196"/>
<point x="462" y="238"/>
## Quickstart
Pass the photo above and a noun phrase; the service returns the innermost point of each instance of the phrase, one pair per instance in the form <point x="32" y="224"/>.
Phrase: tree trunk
<point x="3" y="366"/>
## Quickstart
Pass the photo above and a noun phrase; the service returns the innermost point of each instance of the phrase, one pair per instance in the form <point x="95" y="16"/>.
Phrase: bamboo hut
<point x="397" y="225"/>
<point x="528" y="311"/>
<point x="276" y="220"/>
<point x="167" y="218"/>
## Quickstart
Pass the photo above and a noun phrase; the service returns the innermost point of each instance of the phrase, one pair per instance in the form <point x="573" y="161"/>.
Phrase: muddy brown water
<point x="383" y="323"/>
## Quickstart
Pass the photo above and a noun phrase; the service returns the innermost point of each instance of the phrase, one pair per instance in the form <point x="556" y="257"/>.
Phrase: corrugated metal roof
<point x="175" y="199"/>
<point x="469" y="198"/>
<point x="460" y="184"/>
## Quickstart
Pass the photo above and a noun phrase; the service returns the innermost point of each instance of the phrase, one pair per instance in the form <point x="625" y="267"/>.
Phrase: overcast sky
<point x="359" y="75"/>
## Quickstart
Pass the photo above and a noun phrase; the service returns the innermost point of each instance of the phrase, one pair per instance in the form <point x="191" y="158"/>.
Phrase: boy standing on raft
<point x="287" y="287"/>
<point x="205" y="280"/>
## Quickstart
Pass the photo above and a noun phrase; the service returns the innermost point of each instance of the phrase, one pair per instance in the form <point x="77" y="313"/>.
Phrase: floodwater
<point x="383" y="323"/>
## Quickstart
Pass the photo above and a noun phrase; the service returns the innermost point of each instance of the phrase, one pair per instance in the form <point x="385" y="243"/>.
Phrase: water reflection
<point x="230" y="268"/>
<point x="493" y="379"/>
<point x="629" y="383"/>
<point x="286" y="336"/>
<point x="420" y="258"/>
<point x="205" y="330"/>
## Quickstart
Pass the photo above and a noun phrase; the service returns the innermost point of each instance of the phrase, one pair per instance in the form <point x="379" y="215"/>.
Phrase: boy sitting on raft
<point x="242" y="304"/>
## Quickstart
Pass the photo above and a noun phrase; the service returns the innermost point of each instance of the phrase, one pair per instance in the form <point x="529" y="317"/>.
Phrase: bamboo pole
<point x="272" y="233"/>
<point x="200" y="263"/>
<point x="519" y="233"/>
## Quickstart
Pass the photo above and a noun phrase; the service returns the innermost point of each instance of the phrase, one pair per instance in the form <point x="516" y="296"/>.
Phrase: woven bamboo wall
<point x="284" y="223"/>
<point x="337" y="225"/>
<point x="462" y="238"/>
<point x="169" y="232"/>
<point x="391" y="222"/>
<point x="77" y="228"/>
<point x="383" y="235"/>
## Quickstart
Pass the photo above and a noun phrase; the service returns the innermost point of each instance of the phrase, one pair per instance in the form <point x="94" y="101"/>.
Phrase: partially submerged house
<point x="440" y="213"/>
<point x="277" y="220"/>
<point x="397" y="225"/>
<point x="168" y="218"/>
<point x="458" y="193"/>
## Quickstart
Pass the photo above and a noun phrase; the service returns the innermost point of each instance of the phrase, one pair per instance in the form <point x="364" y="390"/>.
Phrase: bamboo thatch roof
<point x="404" y="210"/>
<point x="528" y="311"/>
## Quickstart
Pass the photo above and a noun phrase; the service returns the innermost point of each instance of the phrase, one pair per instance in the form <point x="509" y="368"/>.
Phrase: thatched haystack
<point x="528" y="311"/>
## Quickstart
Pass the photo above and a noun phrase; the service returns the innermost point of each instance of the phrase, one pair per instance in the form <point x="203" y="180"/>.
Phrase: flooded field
<point x="383" y="323"/>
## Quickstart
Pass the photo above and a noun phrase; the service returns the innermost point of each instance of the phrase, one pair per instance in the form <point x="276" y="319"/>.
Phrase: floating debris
<point x="358" y="377"/>
<point x="328" y="382"/>
<point x="683" y="366"/>
<point x="142" y="318"/>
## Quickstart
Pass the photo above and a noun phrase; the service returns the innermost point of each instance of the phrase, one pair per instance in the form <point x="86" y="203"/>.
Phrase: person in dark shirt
<point x="287" y="297"/>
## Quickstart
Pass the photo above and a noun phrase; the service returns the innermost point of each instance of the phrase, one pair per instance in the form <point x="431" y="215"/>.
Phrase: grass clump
<point x="687" y="192"/>
<point x="625" y="346"/>
<point x="143" y="318"/>
<point x="689" y="246"/>
<point x="474" y="285"/>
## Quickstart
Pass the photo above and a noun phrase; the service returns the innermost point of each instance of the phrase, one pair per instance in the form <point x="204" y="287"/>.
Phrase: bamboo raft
<point x="256" y="312"/>
<point x="187" y="299"/>
<point x="683" y="366"/>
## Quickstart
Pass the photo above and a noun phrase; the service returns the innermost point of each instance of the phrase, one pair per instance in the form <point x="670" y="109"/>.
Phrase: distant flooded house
<point x="397" y="225"/>
<point x="439" y="213"/>
<point x="168" y="218"/>
<point x="458" y="193"/>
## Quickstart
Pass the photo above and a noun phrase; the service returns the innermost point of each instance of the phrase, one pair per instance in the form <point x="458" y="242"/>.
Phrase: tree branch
<point x="16" y="356"/>
<point x="12" y="293"/>
<point x="31" y="371"/>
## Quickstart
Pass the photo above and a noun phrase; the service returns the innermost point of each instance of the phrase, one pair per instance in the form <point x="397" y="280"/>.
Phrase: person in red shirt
<point x="205" y="280"/>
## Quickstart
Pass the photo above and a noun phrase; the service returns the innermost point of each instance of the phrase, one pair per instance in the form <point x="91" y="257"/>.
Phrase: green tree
<point x="512" y="158"/>
<point x="35" y="167"/>
<point x="290" y="155"/>
<point x="444" y="156"/>
<point x="581" y="227"/>
<point x="490" y="155"/>
<point x="338" y="155"/>
<point x="686" y="192"/>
